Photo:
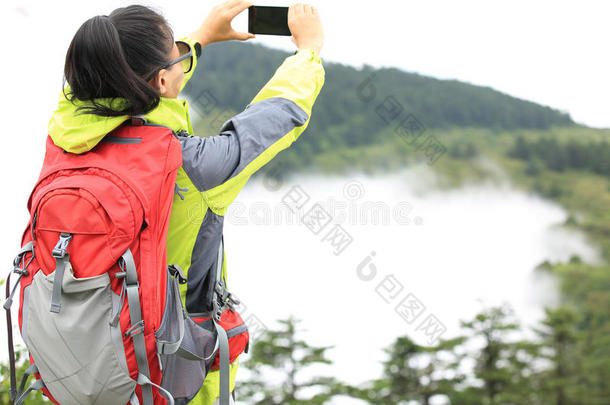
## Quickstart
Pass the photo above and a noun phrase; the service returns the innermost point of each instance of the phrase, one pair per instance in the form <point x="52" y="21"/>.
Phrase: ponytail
<point x="110" y="56"/>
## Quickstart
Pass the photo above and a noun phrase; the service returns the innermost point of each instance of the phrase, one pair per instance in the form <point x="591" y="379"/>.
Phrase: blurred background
<point x="451" y="242"/>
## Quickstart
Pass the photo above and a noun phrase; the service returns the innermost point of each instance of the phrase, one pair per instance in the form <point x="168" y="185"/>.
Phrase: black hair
<point x="110" y="57"/>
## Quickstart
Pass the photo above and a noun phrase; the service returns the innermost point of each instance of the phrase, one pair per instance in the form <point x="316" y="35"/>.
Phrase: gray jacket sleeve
<point x="211" y="161"/>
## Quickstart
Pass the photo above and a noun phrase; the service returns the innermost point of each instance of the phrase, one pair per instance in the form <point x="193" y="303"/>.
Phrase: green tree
<point x="560" y="338"/>
<point x="585" y="288"/>
<point x="22" y="363"/>
<point x="501" y="363"/>
<point x="282" y="352"/>
<point x="521" y="149"/>
<point x="414" y="373"/>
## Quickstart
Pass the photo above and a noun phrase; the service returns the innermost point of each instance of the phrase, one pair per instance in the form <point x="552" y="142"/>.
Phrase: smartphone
<point x="268" y="20"/>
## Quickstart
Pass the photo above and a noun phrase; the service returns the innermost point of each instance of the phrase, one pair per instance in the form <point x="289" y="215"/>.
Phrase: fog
<point x="453" y="252"/>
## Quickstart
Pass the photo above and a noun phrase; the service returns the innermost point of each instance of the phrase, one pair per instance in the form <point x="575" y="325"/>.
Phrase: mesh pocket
<point x="185" y="370"/>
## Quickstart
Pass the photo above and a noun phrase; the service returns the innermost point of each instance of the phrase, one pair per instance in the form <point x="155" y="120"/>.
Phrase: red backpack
<point x="99" y="308"/>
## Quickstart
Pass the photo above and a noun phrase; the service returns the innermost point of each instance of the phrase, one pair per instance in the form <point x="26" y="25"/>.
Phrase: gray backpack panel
<point x="77" y="347"/>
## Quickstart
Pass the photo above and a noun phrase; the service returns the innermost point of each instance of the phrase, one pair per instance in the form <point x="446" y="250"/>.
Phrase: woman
<point x="128" y="64"/>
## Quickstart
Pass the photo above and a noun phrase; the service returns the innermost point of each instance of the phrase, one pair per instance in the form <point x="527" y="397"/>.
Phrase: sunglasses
<point x="186" y="58"/>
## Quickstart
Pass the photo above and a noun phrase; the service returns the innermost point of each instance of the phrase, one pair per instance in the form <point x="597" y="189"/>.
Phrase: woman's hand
<point x="306" y="27"/>
<point x="217" y="25"/>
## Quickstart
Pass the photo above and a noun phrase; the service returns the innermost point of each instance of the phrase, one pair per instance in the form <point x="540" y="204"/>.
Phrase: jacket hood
<point x="76" y="132"/>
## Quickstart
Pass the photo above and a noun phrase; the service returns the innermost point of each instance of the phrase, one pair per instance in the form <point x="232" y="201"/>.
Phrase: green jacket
<point x="214" y="169"/>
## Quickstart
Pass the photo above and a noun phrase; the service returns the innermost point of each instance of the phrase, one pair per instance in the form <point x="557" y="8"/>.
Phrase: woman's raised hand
<point x="217" y="25"/>
<point x="306" y="27"/>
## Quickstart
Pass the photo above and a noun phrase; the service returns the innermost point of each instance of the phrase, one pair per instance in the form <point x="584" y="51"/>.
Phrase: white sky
<point x="551" y="52"/>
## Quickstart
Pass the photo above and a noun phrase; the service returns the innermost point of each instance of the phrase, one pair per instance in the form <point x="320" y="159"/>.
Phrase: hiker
<point x="128" y="64"/>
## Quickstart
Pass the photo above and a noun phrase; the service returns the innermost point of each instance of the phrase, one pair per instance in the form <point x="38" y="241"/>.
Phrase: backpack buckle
<point x="21" y="272"/>
<point x="18" y="261"/>
<point x="59" y="250"/>
<point x="233" y="301"/>
<point x="217" y="309"/>
<point x="176" y="272"/>
<point x="227" y="298"/>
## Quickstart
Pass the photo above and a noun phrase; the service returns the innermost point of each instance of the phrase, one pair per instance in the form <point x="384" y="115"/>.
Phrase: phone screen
<point x="268" y="20"/>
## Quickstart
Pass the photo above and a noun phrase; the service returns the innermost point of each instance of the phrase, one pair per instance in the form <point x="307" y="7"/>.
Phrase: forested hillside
<point x="363" y="107"/>
<point x="234" y="72"/>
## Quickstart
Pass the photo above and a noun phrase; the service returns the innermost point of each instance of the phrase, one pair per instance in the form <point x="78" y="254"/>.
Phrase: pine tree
<point x="281" y="353"/>
<point x="502" y="363"/>
<point x="414" y="373"/>
<point x="560" y="339"/>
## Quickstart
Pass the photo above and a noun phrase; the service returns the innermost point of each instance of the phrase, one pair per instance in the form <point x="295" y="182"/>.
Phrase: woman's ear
<point x="159" y="82"/>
